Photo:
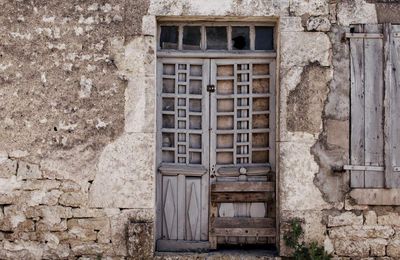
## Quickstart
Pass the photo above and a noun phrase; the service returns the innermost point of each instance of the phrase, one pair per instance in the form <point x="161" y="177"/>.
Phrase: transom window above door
<point x="216" y="37"/>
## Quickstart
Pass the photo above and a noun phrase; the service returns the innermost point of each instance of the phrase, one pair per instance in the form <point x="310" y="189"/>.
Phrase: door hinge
<point x="210" y="88"/>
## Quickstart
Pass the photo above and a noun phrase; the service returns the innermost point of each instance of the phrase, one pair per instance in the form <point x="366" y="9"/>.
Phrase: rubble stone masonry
<point x="77" y="126"/>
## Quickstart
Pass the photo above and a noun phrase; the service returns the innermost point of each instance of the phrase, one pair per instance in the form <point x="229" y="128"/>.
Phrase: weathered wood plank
<point x="357" y="110"/>
<point x="173" y="170"/>
<point x="373" y="86"/>
<point x="390" y="197"/>
<point x="182" y="246"/>
<point x="365" y="35"/>
<point x="242" y="186"/>
<point x="213" y="214"/>
<point x="388" y="148"/>
<point x="250" y="170"/>
<point x="181" y="206"/>
<point x="395" y="109"/>
<point x="245" y="232"/>
<point x="242" y="197"/>
<point x="237" y="222"/>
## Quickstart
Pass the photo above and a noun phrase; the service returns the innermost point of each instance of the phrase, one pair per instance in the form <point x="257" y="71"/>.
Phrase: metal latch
<point x="210" y="88"/>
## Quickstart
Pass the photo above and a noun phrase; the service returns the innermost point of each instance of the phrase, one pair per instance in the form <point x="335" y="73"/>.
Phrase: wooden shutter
<point x="375" y="106"/>
<point x="367" y="92"/>
<point x="392" y="103"/>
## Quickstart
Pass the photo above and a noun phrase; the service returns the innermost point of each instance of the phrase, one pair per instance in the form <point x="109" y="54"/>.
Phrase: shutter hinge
<point x="364" y="168"/>
<point x="211" y="88"/>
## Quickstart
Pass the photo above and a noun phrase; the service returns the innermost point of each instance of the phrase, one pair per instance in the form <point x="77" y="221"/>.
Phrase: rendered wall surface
<point x="77" y="125"/>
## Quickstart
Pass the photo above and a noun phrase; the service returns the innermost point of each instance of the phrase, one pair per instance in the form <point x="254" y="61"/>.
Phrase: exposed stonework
<point x="77" y="126"/>
<point x="305" y="102"/>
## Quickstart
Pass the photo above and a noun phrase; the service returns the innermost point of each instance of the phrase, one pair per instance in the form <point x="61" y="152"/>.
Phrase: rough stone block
<point x="60" y="251"/>
<point x="344" y="247"/>
<point x="345" y="219"/>
<point x="51" y="213"/>
<point x="40" y="185"/>
<point x="302" y="48"/>
<point x="310" y="7"/>
<point x="28" y="171"/>
<point x="378" y="247"/>
<point x="319" y="23"/>
<point x="140" y="240"/>
<point x="8" y="168"/>
<point x="392" y="219"/>
<point x="149" y="25"/>
<point x="131" y="160"/>
<point x="291" y="24"/>
<point x="356" y="12"/>
<point x="73" y="199"/>
<point x="18" y="154"/>
<point x="393" y="248"/>
<point x="41" y="197"/>
<point x="360" y="232"/>
<point x="44" y="225"/>
<point x="91" y="248"/>
<point x="90" y="229"/>
<point x="370" y="218"/>
<point x="88" y="213"/>
<point x="68" y="186"/>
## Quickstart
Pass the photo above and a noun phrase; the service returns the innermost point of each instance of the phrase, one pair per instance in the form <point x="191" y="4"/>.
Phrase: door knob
<point x="242" y="170"/>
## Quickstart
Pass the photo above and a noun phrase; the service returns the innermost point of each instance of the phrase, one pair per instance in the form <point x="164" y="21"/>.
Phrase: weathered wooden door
<point x="242" y="156"/>
<point x="215" y="126"/>
<point x="183" y="159"/>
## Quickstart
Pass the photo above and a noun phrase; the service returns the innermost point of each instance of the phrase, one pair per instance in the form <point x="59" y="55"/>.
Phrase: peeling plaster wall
<point x="77" y="125"/>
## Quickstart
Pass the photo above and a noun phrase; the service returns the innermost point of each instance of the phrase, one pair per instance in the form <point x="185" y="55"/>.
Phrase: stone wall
<point x="77" y="125"/>
<point x="62" y="114"/>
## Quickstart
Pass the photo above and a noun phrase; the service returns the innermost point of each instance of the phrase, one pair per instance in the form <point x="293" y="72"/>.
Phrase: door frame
<point x="229" y="54"/>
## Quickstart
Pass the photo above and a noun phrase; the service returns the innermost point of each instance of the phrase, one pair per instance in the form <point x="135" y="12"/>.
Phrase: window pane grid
<point x="217" y="37"/>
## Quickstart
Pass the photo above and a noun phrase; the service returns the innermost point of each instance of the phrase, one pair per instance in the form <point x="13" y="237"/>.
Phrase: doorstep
<point x="219" y="255"/>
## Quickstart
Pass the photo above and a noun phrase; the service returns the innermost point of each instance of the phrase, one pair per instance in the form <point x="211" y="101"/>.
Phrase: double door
<point x="216" y="153"/>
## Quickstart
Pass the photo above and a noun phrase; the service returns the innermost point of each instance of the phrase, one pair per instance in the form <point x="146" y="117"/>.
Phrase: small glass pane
<point x="264" y="38"/>
<point x="191" y="38"/>
<point x="216" y="38"/>
<point x="169" y="37"/>
<point x="240" y="38"/>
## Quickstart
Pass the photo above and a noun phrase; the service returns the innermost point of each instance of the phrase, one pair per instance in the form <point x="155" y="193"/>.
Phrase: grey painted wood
<point x="251" y="126"/>
<point x="183" y="198"/>
<point x="182" y="246"/>
<point x="395" y="107"/>
<point x="357" y="110"/>
<point x="373" y="87"/>
<point x="387" y="39"/>
<point x="183" y="154"/>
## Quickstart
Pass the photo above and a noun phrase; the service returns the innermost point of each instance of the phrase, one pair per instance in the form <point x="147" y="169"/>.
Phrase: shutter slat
<point x="394" y="133"/>
<point x="357" y="110"/>
<point x="373" y="88"/>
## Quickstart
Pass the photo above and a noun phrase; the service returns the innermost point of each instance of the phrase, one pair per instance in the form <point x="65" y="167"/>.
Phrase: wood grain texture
<point x="232" y="222"/>
<point x="245" y="232"/>
<point x="395" y="107"/>
<point x="374" y="92"/>
<point x="357" y="110"/>
<point x="242" y="197"/>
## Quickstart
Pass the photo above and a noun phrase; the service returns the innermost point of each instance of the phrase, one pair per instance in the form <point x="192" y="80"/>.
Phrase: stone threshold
<point x="219" y="255"/>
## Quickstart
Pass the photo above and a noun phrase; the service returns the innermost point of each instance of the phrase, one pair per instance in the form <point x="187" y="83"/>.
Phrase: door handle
<point x="211" y="88"/>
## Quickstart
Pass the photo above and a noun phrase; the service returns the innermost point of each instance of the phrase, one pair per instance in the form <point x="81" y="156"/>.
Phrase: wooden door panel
<point x="183" y="159"/>
<point x="243" y="145"/>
